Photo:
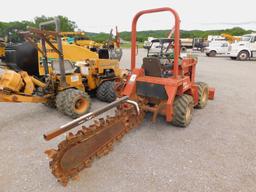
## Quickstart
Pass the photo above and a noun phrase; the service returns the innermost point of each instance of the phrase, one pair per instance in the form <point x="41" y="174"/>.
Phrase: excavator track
<point x="78" y="150"/>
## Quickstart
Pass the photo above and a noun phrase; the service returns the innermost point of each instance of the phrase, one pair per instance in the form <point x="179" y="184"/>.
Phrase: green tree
<point x="10" y="29"/>
<point x="66" y="24"/>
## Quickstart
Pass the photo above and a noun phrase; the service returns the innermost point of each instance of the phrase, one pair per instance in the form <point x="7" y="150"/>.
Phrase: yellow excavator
<point x="61" y="87"/>
<point x="2" y="48"/>
<point x="100" y="75"/>
<point x="98" y="64"/>
<point x="80" y="39"/>
<point x="89" y="48"/>
<point x="47" y="70"/>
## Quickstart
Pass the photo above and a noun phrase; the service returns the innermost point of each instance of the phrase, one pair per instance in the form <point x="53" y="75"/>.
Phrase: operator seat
<point x="156" y="67"/>
<point x="103" y="54"/>
<point x="152" y="66"/>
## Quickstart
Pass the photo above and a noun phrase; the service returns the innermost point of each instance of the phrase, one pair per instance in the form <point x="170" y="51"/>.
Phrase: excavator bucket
<point x="78" y="150"/>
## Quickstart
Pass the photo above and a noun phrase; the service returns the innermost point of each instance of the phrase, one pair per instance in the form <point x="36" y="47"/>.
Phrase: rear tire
<point x="183" y="108"/>
<point x="212" y="54"/>
<point x="183" y="49"/>
<point x="243" y="56"/>
<point x="203" y="93"/>
<point x="106" y="92"/>
<point x="73" y="103"/>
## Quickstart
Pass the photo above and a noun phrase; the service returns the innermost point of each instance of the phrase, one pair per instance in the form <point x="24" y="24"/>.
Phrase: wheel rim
<point x="81" y="105"/>
<point x="243" y="56"/>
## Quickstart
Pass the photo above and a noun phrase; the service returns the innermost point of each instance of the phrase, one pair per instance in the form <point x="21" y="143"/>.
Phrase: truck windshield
<point x="246" y="38"/>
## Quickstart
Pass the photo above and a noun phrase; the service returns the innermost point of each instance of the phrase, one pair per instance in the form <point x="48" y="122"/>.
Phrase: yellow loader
<point x="2" y="48"/>
<point x="60" y="87"/>
<point x="99" y="68"/>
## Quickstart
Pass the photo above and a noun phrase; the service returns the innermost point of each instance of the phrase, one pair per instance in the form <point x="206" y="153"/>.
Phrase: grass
<point x="128" y="45"/>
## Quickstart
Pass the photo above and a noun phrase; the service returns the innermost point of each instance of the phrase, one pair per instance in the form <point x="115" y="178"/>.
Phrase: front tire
<point x="203" y="94"/>
<point x="183" y="108"/>
<point x="73" y="103"/>
<point x="106" y="92"/>
<point x="60" y="101"/>
<point x="243" y="56"/>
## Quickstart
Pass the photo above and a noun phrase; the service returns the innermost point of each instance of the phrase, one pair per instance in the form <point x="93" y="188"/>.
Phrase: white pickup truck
<point x="217" y="48"/>
<point x="243" y="49"/>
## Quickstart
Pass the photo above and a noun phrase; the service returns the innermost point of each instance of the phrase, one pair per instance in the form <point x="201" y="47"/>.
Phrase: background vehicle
<point x="62" y="87"/>
<point x="185" y="44"/>
<point x="217" y="48"/>
<point x="199" y="44"/>
<point x="243" y="49"/>
<point x="231" y="38"/>
<point x="92" y="48"/>
<point x="211" y="38"/>
<point x="99" y="72"/>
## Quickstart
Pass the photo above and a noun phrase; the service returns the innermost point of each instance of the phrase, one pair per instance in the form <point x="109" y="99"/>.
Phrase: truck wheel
<point x="106" y="92"/>
<point x="75" y="103"/>
<point x="183" y="108"/>
<point x="202" y="95"/>
<point x="183" y="49"/>
<point x="243" y="56"/>
<point x="212" y="53"/>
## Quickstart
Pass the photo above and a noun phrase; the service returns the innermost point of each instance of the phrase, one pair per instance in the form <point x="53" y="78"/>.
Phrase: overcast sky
<point x="101" y="15"/>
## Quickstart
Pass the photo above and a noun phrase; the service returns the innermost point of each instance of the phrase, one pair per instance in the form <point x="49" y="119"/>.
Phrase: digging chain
<point x="78" y="150"/>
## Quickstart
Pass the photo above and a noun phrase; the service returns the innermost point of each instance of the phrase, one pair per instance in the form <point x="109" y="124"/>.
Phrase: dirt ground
<point x="215" y="153"/>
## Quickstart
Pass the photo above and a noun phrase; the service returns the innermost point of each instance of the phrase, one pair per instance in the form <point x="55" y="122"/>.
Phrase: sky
<point x="102" y="15"/>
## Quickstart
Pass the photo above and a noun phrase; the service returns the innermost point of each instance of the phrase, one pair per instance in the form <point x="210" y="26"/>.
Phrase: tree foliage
<point x="66" y="24"/>
<point x="143" y="35"/>
<point x="10" y="29"/>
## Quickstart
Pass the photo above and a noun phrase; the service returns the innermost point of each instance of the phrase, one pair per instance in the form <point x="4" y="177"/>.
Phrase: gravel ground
<point x="215" y="153"/>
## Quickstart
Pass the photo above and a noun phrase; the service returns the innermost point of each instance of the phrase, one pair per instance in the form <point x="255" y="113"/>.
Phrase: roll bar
<point x="56" y="22"/>
<point x="176" y="36"/>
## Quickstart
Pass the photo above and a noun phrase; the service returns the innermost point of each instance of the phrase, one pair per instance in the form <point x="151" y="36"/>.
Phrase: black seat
<point x="103" y="54"/>
<point x="152" y="67"/>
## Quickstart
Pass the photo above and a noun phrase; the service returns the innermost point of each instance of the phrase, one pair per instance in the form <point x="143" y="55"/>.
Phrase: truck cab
<point x="244" y="49"/>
